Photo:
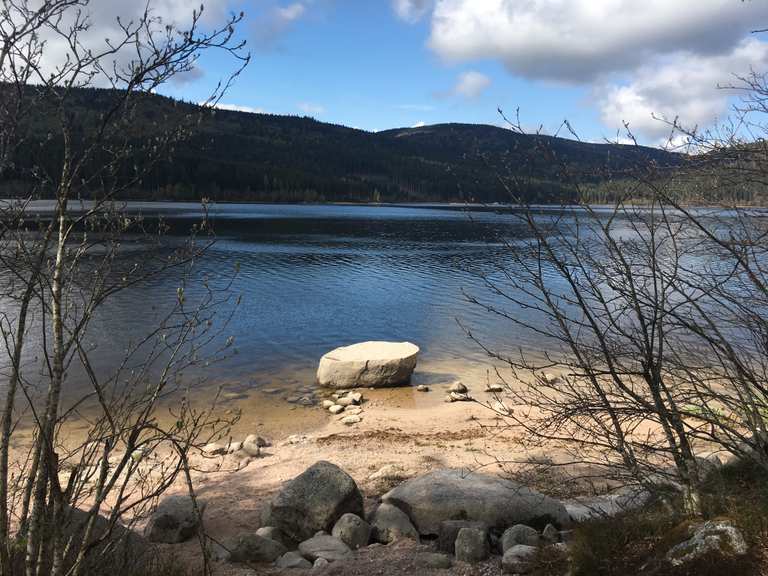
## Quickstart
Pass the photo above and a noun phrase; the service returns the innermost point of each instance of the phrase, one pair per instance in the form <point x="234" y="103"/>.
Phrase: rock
<point x="627" y="500"/>
<point x="451" y="494"/>
<point x="517" y="560"/>
<point x="714" y="536"/>
<point x="314" y="501"/>
<point x="328" y="403"/>
<point x="251" y="445"/>
<point x="275" y="534"/>
<point x="456" y="397"/>
<point x="324" y="546"/>
<point x="214" y="449"/>
<point x="263" y="442"/>
<point x="494" y="388"/>
<point x="458" y="387"/>
<point x="349" y="420"/>
<point x="472" y="545"/>
<point x="434" y="560"/>
<point x="352" y="530"/>
<point x="356" y="397"/>
<point x="449" y="530"/>
<point x="249" y="548"/>
<point x="519" y="534"/>
<point x="336" y="409"/>
<point x="550" y="535"/>
<point x="369" y="364"/>
<point x="422" y="388"/>
<point x="346" y="401"/>
<point x="292" y="559"/>
<point x="174" y="520"/>
<point x="353" y="410"/>
<point x="389" y="523"/>
<point x="550" y="378"/>
<point x="233" y="447"/>
<point x="319" y="563"/>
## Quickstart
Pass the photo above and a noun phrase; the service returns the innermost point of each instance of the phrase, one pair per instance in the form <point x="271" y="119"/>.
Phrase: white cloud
<point x="291" y="12"/>
<point x="684" y="85"/>
<point x="311" y="109"/>
<point x="419" y="124"/>
<point x="411" y="11"/>
<point x="471" y="84"/>
<point x="275" y="21"/>
<point x="581" y="40"/>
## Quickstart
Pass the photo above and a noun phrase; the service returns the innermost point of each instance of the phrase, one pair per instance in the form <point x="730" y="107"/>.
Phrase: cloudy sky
<point x="377" y="64"/>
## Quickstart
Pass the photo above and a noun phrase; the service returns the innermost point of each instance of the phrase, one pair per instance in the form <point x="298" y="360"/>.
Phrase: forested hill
<point x="263" y="157"/>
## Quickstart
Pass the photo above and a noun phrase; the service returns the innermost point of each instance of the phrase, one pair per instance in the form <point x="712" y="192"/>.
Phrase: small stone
<point x="356" y="397"/>
<point x="353" y="410"/>
<point x="293" y="560"/>
<point x="519" y="534"/>
<point x="458" y="387"/>
<point x="324" y="546"/>
<point x="389" y="523"/>
<point x="517" y="560"/>
<point x="336" y="409"/>
<point x="422" y="388"/>
<point x="253" y="548"/>
<point x="251" y="445"/>
<point x="495" y="388"/>
<point x="352" y="530"/>
<point x="328" y="403"/>
<point x="550" y="378"/>
<point x="457" y="397"/>
<point x="449" y="531"/>
<point x="350" y="420"/>
<point x="471" y="545"/>
<point x="320" y="563"/>
<point x="346" y="401"/>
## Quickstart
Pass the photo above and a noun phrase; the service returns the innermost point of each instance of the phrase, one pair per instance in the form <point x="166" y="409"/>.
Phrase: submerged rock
<point x="368" y="364"/>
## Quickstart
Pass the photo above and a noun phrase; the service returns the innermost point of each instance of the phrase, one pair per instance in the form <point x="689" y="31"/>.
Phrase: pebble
<point x="458" y="387"/>
<point x="214" y="449"/>
<point x="422" y="388"/>
<point x="251" y="445"/>
<point x="357" y="398"/>
<point x="336" y="409"/>
<point x="328" y="403"/>
<point x="496" y="388"/>
<point x="457" y="397"/>
<point x="349" y="420"/>
<point x="352" y="410"/>
<point x="346" y="401"/>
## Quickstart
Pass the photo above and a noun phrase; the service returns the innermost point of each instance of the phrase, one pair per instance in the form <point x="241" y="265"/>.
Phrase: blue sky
<point x="378" y="64"/>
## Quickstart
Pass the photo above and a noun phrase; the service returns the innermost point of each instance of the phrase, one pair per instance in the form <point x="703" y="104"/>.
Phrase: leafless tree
<point x="62" y="502"/>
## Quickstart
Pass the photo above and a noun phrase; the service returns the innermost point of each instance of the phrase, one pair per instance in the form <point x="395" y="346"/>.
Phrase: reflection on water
<point x="316" y="277"/>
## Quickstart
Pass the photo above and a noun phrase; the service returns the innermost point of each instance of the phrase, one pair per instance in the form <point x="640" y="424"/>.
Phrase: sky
<point x="379" y="64"/>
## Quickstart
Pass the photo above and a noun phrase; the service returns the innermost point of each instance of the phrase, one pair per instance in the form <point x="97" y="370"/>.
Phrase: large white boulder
<point x="368" y="364"/>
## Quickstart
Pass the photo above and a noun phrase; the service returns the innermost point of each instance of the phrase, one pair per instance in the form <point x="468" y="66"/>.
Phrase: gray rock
<point x="626" y="500"/>
<point x="519" y="534"/>
<point x="292" y="560"/>
<point x="714" y="536"/>
<point x="422" y="388"/>
<point x="350" y="420"/>
<point x="449" y="530"/>
<point x="472" y="545"/>
<point x="352" y="530"/>
<point x="456" y="397"/>
<point x="494" y="388"/>
<point x="252" y="548"/>
<point x="517" y="560"/>
<point x="435" y="560"/>
<point x="346" y="401"/>
<point x="251" y="445"/>
<point x="369" y="364"/>
<point x="356" y="397"/>
<point x="325" y="547"/>
<point x="353" y="411"/>
<point x="319" y="563"/>
<point x="174" y="520"/>
<point x="450" y="494"/>
<point x="458" y="387"/>
<point x="550" y="535"/>
<point x="314" y="501"/>
<point x="275" y="534"/>
<point x="390" y="523"/>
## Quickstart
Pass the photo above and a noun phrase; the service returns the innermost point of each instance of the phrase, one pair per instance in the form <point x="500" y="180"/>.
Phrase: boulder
<point x="517" y="560"/>
<point x="368" y="364"/>
<point x="519" y="534"/>
<point x="292" y="559"/>
<point x="314" y="501"/>
<point x="352" y="530"/>
<point x="252" y="548"/>
<point x="714" y="536"/>
<point x="449" y="530"/>
<point x="471" y="545"/>
<point x="324" y="546"/>
<point x="390" y="523"/>
<point x="451" y="494"/>
<point x="174" y="520"/>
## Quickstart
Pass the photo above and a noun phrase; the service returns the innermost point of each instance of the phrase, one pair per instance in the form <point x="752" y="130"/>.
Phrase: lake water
<point x="314" y="277"/>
